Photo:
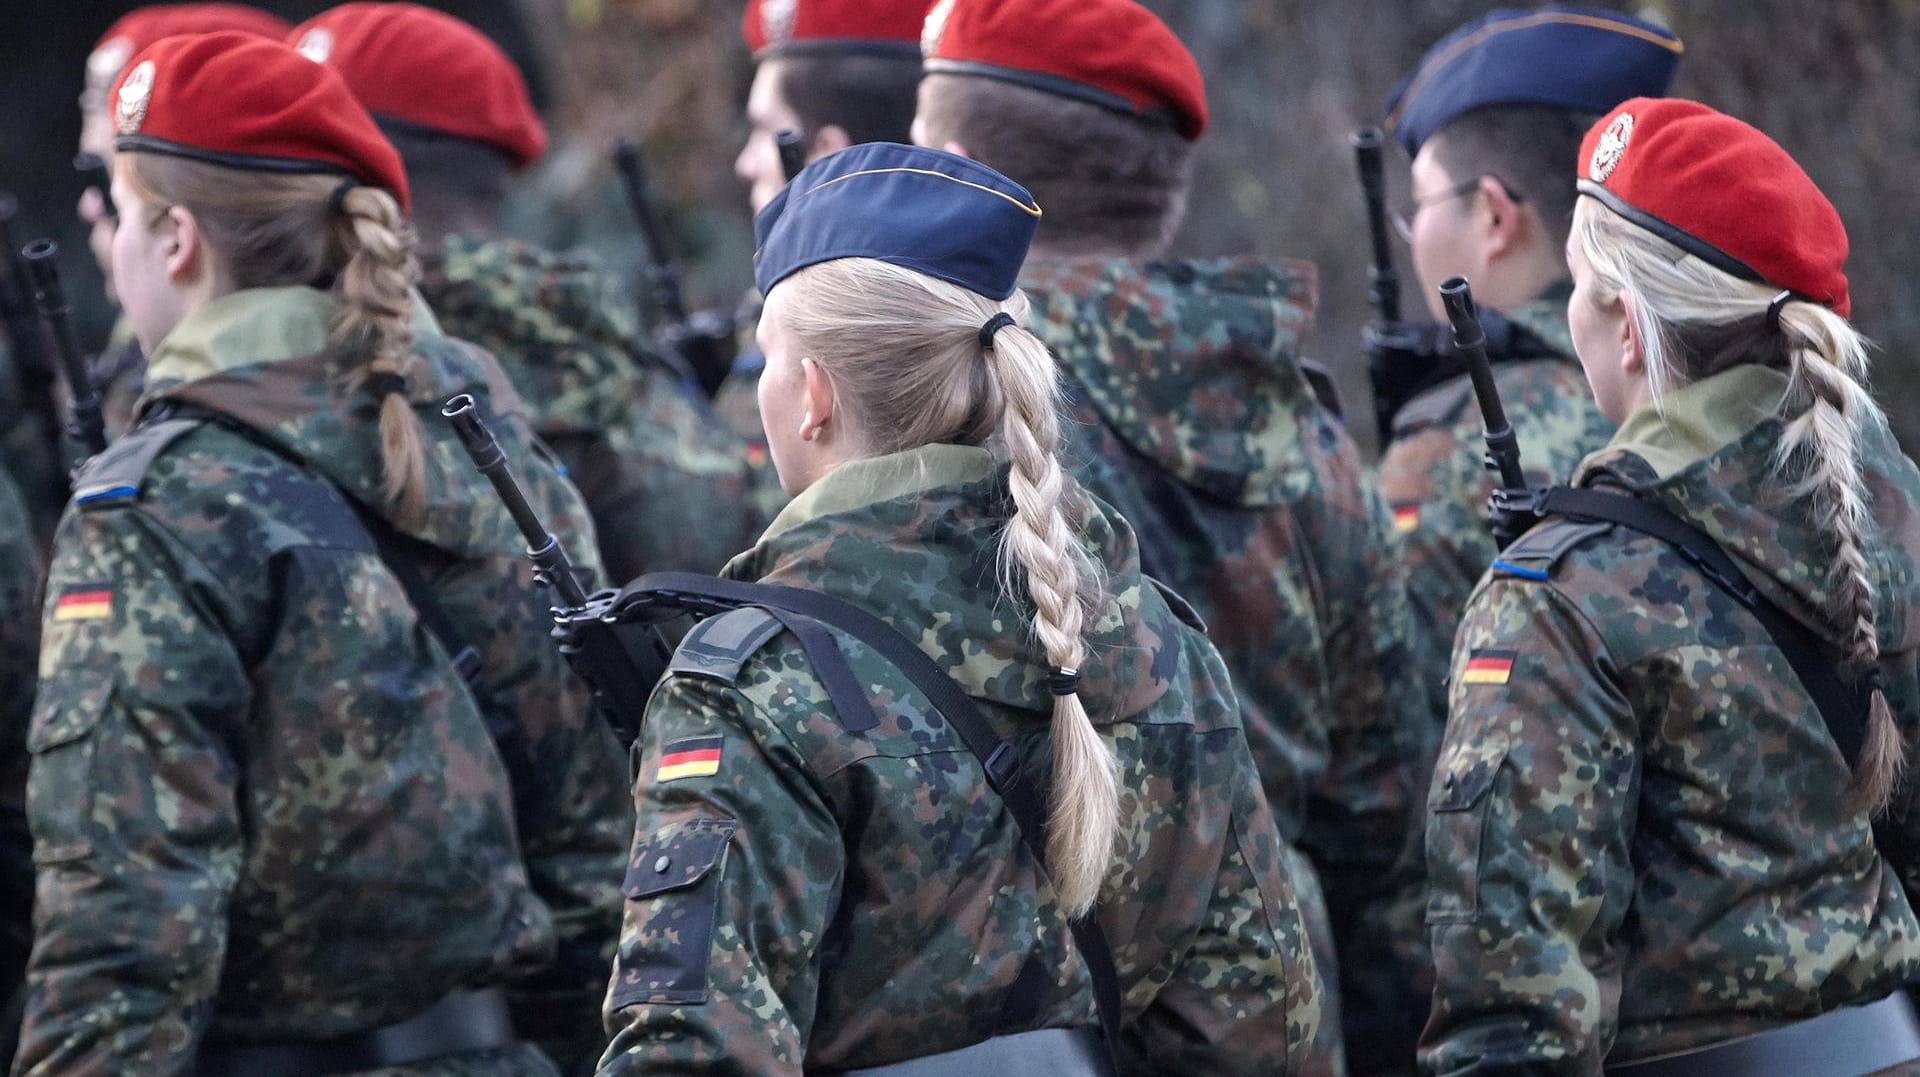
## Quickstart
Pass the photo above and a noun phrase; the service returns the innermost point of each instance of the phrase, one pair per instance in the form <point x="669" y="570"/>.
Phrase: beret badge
<point x="936" y="27"/>
<point x="317" y="45"/>
<point x="1612" y="146"/>
<point x="777" y="19"/>
<point x="131" y="109"/>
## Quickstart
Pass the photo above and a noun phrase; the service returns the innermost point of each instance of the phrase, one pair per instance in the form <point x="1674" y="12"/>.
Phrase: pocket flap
<point x="66" y="711"/>
<point x="1465" y="773"/>
<point x="676" y="856"/>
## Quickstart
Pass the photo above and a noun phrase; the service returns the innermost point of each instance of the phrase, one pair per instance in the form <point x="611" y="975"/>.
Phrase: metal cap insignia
<point x="131" y="109"/>
<point x="317" y="45"/>
<point x="1612" y="146"/>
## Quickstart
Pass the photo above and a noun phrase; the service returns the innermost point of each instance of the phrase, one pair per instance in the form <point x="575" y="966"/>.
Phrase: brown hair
<point x="272" y="229"/>
<point x="1105" y="179"/>
<point x="903" y="354"/>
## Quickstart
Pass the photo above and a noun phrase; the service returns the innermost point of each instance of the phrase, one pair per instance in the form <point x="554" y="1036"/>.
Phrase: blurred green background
<point x="1837" y="83"/>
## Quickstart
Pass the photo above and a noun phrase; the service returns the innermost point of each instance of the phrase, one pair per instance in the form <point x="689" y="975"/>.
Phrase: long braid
<point x="1822" y="444"/>
<point x="377" y="284"/>
<point x="1084" y="815"/>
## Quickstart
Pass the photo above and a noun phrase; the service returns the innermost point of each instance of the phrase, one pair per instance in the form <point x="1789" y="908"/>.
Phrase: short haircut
<point x="871" y="98"/>
<point x="459" y="185"/>
<point x="1533" y="149"/>
<point x="1102" y="178"/>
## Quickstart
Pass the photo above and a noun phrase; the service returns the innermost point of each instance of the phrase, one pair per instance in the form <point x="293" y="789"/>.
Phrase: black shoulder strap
<point x="1842" y="702"/>
<point x="686" y="590"/>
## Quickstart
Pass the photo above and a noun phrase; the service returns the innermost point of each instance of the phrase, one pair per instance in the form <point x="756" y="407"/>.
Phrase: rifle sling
<point x="1842" y="701"/>
<point x="997" y="757"/>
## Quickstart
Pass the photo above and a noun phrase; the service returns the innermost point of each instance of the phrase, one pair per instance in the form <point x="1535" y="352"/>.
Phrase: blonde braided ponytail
<point x="377" y="286"/>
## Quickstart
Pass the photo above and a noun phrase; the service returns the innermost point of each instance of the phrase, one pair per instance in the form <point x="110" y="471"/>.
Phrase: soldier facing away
<point x="670" y="488"/>
<point x="1191" y="416"/>
<point x="311" y="792"/>
<point x="1653" y="842"/>
<point x="815" y="894"/>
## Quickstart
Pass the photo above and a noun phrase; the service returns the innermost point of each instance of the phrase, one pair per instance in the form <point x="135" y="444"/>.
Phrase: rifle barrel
<point x="793" y="152"/>
<point x="1503" y="448"/>
<point x="43" y="265"/>
<point x="663" y="281"/>
<point x="545" y="550"/>
<point x="1383" y="283"/>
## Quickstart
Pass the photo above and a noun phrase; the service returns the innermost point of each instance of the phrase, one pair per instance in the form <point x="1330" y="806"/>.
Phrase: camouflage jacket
<point x="669" y="486"/>
<point x="19" y="646"/>
<point x="1638" y="839"/>
<point x="1435" y="476"/>
<point x="813" y="899"/>
<point x="265" y="805"/>
<point x="1191" y="417"/>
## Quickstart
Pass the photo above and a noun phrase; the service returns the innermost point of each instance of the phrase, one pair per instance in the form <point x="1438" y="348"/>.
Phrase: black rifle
<point x="793" y="152"/>
<point x="1400" y="355"/>
<point x="32" y="352"/>
<point x="619" y="662"/>
<point x="94" y="175"/>
<point x="1515" y="505"/>
<point x="700" y="346"/>
<point x="43" y="264"/>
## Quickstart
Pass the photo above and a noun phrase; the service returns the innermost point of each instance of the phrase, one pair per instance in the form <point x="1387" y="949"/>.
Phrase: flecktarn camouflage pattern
<point x="1638" y="836"/>
<point x="265" y="806"/>
<point x="1191" y="417"/>
<point x="805" y="897"/>
<point x="669" y="486"/>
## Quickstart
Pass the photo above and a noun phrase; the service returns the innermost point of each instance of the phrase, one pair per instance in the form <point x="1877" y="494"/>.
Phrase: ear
<point x="1632" y="359"/>
<point x="957" y="150"/>
<point x="1506" y="223"/>
<point x="831" y="138"/>
<point x="819" y="398"/>
<point x="185" y="246"/>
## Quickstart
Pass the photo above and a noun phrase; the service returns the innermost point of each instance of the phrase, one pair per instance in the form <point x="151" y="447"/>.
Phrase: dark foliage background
<point x="1837" y="83"/>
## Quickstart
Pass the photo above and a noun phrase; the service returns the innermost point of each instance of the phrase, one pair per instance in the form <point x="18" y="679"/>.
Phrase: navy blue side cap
<point x="940" y="214"/>
<point x="1576" y="58"/>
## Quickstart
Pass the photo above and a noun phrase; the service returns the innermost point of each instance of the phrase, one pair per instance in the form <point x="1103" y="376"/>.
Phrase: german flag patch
<point x="1406" y="516"/>
<point x="86" y="602"/>
<point x="1488" y="667"/>
<point x="695" y="758"/>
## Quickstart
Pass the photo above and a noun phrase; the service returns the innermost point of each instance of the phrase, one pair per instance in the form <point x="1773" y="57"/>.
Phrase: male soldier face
<point x="767" y="114"/>
<point x="96" y="137"/>
<point x="1442" y="233"/>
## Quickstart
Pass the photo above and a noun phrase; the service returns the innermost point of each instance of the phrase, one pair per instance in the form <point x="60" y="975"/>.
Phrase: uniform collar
<point x="859" y="483"/>
<point x="1694" y="421"/>
<point x="253" y="326"/>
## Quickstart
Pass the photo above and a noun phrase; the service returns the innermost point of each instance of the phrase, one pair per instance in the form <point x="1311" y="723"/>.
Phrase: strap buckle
<point x="1003" y="767"/>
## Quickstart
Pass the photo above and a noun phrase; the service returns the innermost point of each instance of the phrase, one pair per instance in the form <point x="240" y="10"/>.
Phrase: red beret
<point x="1109" y="52"/>
<point x="1721" y="191"/>
<point x="238" y="100"/>
<point x="426" y="68"/>
<point x="879" y="27"/>
<point x="143" y="26"/>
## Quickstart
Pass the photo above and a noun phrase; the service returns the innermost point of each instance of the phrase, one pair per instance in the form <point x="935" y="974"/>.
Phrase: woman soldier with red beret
<point x="1668" y="834"/>
<point x="310" y="789"/>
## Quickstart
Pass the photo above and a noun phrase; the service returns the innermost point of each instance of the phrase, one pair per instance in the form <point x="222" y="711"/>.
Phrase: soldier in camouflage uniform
<point x="1193" y="419"/>
<point x="1644" y="836"/>
<point x="19" y="646"/>
<point x="309" y="785"/>
<point x="669" y="486"/>
<point x="1490" y="118"/>
<point x="807" y="898"/>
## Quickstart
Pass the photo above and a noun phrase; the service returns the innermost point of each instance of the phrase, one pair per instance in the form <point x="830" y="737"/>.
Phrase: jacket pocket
<point x="1457" y="808"/>
<point x="60" y="783"/>
<point x="673" y="899"/>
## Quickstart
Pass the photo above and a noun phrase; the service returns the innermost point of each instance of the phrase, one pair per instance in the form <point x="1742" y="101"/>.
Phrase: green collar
<point x="1694" y="421"/>
<point x="254" y="326"/>
<point x="858" y="483"/>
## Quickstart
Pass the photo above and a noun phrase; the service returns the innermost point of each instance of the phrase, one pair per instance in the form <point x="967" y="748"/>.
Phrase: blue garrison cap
<point x="1569" y="57"/>
<point x="941" y="214"/>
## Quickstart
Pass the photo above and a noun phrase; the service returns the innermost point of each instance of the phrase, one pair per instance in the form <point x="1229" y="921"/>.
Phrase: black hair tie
<point x="1063" y="681"/>
<point x="1773" y="308"/>
<point x="337" y="202"/>
<point x="994" y="325"/>
<point x="385" y="383"/>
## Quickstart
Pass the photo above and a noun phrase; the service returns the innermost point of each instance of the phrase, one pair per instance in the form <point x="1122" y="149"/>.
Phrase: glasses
<point x="1403" y="215"/>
